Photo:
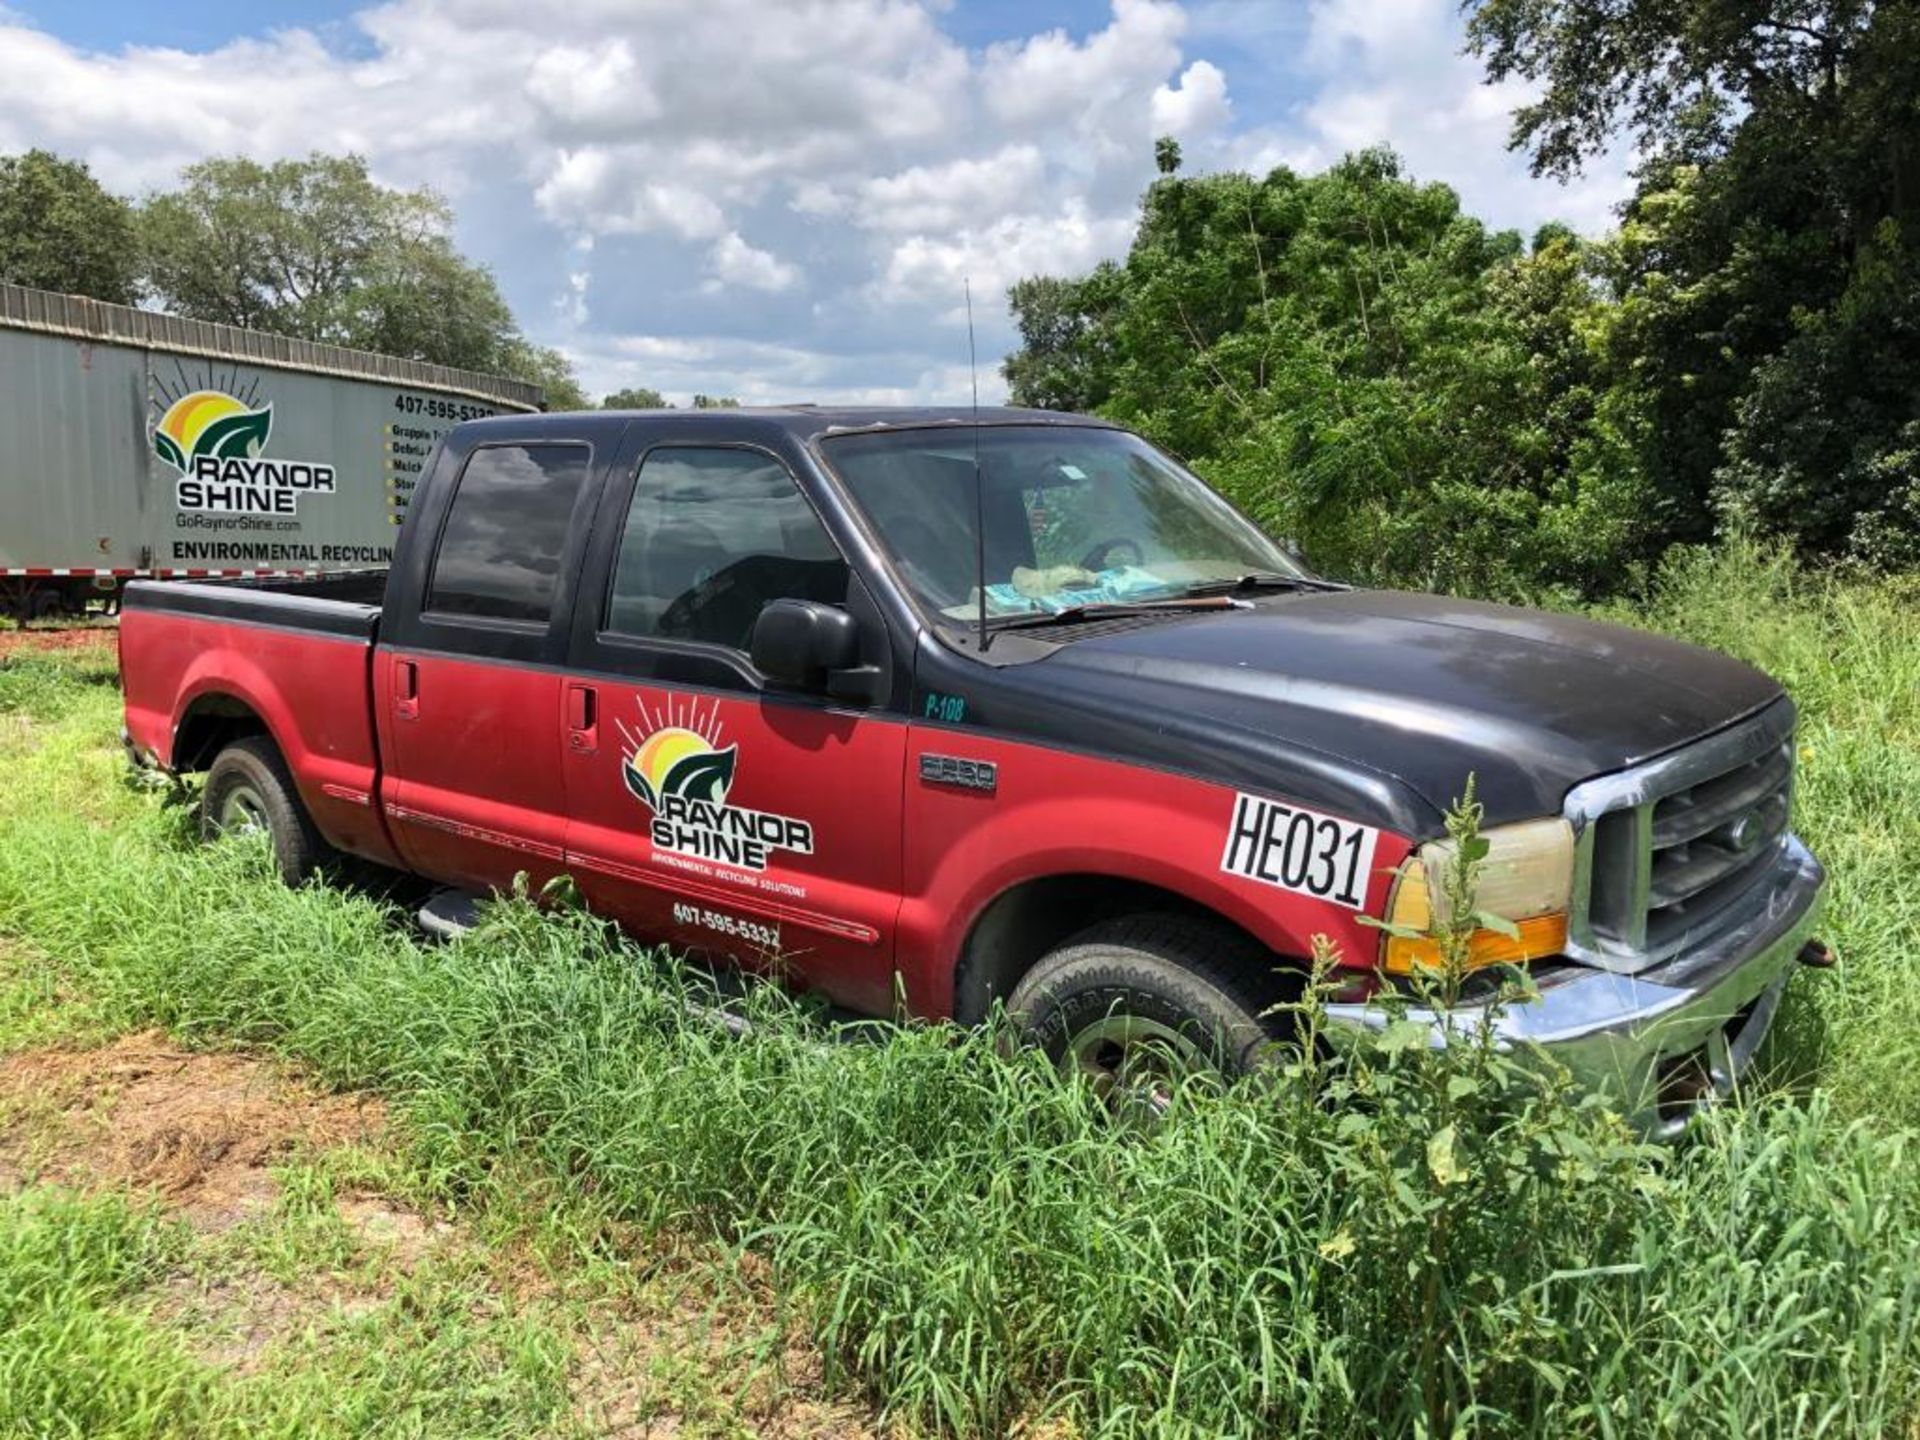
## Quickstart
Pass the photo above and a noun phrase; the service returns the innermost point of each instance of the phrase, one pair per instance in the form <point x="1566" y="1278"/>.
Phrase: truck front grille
<point x="1667" y="850"/>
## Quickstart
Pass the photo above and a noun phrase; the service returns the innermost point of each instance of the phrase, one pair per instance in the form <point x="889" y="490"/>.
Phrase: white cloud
<point x="1395" y="72"/>
<point x="593" y="92"/>
<point x="932" y="271"/>
<point x="1197" y="106"/>
<point x="1051" y="78"/>
<point x="934" y="197"/>
<point x="574" y="304"/>
<point x="733" y="261"/>
<point x="595" y="192"/>
<point x="761" y="373"/>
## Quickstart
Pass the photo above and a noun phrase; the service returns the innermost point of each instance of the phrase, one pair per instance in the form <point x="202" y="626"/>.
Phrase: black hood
<point x="1417" y="690"/>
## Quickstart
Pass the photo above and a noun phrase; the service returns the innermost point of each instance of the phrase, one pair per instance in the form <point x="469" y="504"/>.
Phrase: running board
<point x="449" y="914"/>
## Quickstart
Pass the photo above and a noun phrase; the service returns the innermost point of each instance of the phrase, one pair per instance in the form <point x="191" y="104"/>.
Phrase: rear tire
<point x="1143" y="1004"/>
<point x="249" y="788"/>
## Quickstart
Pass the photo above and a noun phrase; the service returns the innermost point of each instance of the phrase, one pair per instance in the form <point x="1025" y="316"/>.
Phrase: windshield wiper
<point x="1260" y="580"/>
<point x="1113" y="609"/>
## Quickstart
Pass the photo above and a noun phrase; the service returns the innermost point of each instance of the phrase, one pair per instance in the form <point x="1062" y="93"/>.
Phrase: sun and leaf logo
<point x="678" y="755"/>
<point x="678" y="761"/>
<point x="679" y="766"/>
<point x="211" y="423"/>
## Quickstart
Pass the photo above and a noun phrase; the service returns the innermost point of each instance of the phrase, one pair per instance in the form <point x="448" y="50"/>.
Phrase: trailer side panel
<point x="74" y="460"/>
<point x="137" y="443"/>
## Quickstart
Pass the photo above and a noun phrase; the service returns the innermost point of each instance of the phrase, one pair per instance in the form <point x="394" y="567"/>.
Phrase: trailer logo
<point x="214" y="440"/>
<point x="678" y="770"/>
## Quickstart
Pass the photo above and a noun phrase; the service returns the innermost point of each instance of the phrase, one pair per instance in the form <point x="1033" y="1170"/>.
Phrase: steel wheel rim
<point x="1135" y="1064"/>
<point x="242" y="812"/>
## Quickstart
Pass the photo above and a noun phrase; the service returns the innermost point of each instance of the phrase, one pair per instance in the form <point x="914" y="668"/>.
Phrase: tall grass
<point x="1425" y="1243"/>
<point x="72" y="1361"/>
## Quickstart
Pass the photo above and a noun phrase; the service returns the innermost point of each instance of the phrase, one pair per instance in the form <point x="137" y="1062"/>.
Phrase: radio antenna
<point x="979" y="484"/>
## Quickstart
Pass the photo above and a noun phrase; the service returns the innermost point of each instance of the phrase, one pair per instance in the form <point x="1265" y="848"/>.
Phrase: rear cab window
<point x="505" y="534"/>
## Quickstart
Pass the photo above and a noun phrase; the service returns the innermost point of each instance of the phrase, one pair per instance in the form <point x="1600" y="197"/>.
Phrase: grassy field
<point x="599" y="1213"/>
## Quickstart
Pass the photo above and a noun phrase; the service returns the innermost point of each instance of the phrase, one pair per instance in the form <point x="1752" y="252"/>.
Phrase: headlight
<point x="1527" y="878"/>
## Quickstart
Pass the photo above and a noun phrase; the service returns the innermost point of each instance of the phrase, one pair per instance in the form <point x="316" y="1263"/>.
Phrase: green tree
<point x="317" y="249"/>
<point x="1769" y="320"/>
<point x="715" y="402"/>
<point x="61" y="230"/>
<point x="1064" y="327"/>
<point x="1683" y="76"/>
<point x="635" y="397"/>
<point x="1362" y="366"/>
<point x="546" y="367"/>
<point x="1826" y="444"/>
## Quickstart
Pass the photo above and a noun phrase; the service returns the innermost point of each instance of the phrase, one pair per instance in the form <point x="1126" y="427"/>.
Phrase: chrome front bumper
<point x="1709" y="1006"/>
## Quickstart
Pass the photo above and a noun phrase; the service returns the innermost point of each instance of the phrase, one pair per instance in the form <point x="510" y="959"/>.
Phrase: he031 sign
<point x="1297" y="849"/>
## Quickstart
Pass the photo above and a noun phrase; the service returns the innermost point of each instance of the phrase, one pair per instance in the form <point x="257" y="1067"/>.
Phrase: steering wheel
<point x="1099" y="554"/>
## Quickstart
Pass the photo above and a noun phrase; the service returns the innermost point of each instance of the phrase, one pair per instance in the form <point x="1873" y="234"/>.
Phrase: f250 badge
<point x="1300" y="850"/>
<point x="678" y="769"/>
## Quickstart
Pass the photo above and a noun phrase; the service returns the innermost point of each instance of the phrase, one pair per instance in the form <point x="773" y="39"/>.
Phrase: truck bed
<point x="346" y="603"/>
<point x="205" y="661"/>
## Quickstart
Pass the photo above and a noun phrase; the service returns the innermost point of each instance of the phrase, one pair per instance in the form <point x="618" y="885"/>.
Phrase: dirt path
<point x="213" y="1137"/>
<point x="201" y="1130"/>
<point x="68" y="637"/>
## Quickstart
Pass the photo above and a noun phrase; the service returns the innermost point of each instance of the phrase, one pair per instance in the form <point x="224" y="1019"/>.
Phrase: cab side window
<point x="500" y="549"/>
<point x="711" y="536"/>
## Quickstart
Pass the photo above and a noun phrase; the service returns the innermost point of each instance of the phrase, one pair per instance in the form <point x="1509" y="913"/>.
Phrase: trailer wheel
<point x="1145" y="1004"/>
<point x="45" y="603"/>
<point x="249" y="790"/>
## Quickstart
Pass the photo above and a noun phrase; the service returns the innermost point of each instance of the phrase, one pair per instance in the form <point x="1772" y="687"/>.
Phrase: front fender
<point x="1055" y="813"/>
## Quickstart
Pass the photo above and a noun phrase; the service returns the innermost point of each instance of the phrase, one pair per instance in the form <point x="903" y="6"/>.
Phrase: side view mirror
<point x="802" y="642"/>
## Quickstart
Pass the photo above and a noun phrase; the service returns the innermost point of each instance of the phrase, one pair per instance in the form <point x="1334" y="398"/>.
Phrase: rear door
<point x="708" y="807"/>
<point x="467" y="684"/>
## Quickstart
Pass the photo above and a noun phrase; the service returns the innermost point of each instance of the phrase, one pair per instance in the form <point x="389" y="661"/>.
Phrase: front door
<point x="706" y="807"/>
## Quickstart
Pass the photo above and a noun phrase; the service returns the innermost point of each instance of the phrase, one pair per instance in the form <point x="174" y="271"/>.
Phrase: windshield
<point x="1074" y="516"/>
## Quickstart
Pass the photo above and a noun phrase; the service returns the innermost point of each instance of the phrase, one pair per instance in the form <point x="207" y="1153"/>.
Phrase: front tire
<point x="1143" y="1005"/>
<point x="250" y="790"/>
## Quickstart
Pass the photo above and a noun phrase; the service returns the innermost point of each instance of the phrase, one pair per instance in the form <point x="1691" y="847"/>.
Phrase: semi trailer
<point x="140" y="444"/>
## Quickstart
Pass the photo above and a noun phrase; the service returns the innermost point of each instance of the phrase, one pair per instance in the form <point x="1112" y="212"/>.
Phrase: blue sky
<point x="774" y="198"/>
<point x="200" y="25"/>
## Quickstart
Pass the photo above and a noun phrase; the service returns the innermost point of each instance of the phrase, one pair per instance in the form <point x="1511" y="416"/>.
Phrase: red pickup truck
<point x="997" y="705"/>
